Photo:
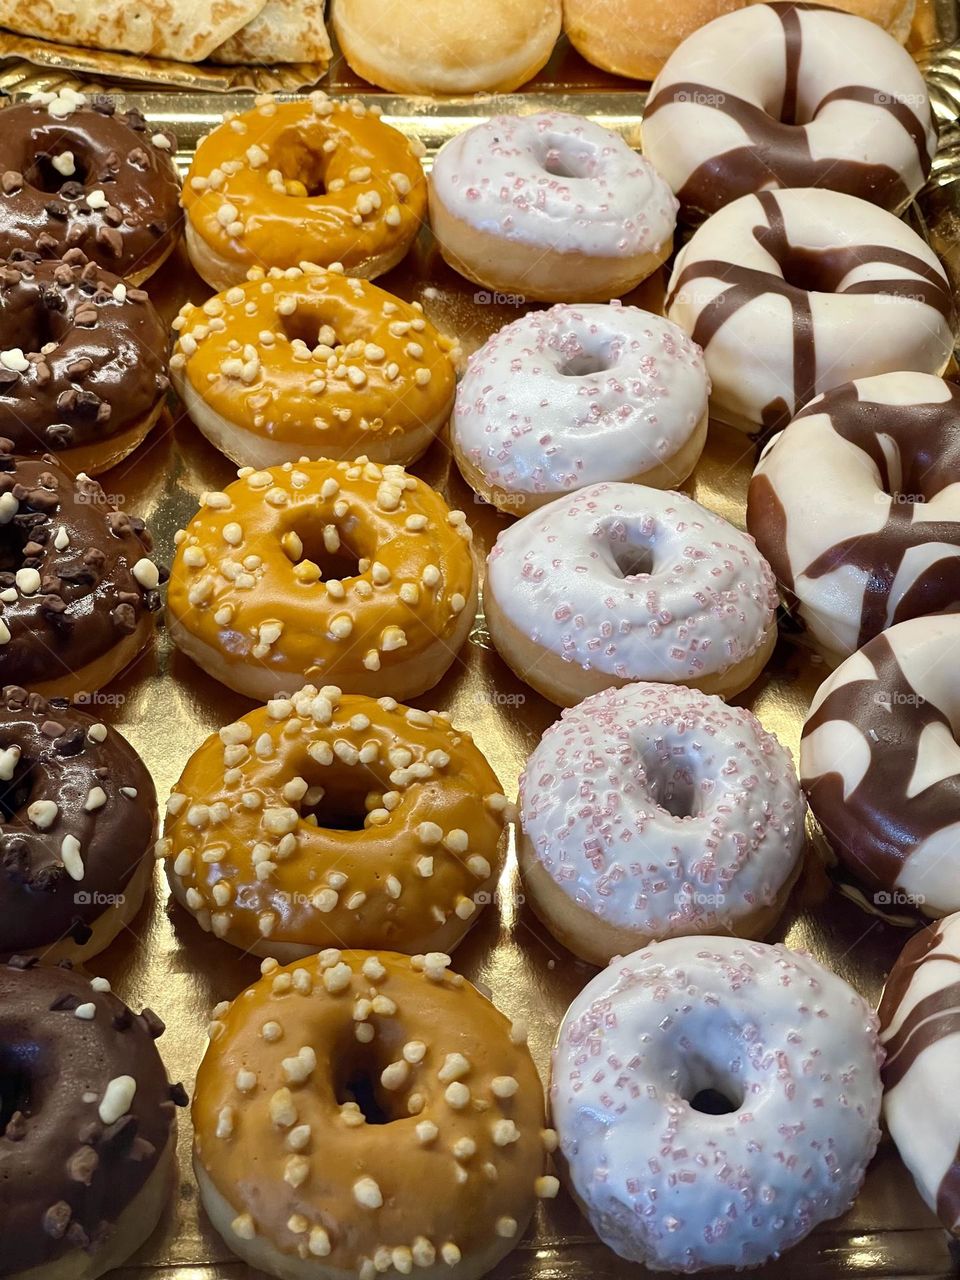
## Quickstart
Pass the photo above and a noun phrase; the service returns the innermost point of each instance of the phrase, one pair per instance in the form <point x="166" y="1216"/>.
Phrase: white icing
<point x="555" y="180"/>
<point x="679" y="1190"/>
<point x="663" y="810"/>
<point x="578" y="394"/>
<point x="634" y="582"/>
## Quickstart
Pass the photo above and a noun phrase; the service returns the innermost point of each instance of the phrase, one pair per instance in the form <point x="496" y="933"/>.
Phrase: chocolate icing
<point x="46" y="211"/>
<point x="878" y="825"/>
<point x="40" y="902"/>
<point x="89" y="598"/>
<point x="817" y="271"/>
<point x="778" y="152"/>
<point x="96" y="349"/>
<point x="65" y="1175"/>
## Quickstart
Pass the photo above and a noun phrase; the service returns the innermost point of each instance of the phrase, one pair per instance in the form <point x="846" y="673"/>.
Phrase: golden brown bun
<point x="895" y="16"/>
<point x="635" y="37"/>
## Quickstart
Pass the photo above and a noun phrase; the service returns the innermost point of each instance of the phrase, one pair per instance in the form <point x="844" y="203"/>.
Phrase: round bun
<point x="449" y="48"/>
<point x="633" y="37"/>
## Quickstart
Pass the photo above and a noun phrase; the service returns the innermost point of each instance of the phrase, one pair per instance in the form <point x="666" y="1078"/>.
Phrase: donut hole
<point x="325" y="545"/>
<point x="14" y="536"/>
<point x="357" y="1079"/>
<point x="711" y="1091"/>
<point x="713" y="1102"/>
<point x="560" y="162"/>
<point x="309" y="326"/>
<point x="43" y="175"/>
<point x="303" y="169"/>
<point x="18" y="1071"/>
<point x="338" y="809"/>
<point x="40" y="327"/>
<point x="631" y="561"/>
<point x="15" y="794"/>
<point x="673" y="789"/>
<point x="586" y="362"/>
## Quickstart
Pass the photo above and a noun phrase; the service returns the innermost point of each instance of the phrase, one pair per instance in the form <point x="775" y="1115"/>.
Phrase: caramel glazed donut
<point x="360" y="1113"/>
<point x="650" y="812"/>
<point x="718" y="125"/>
<point x="78" y="590"/>
<point x="324" y="570"/>
<point x="88" y="1125"/>
<point x="74" y="176"/>
<point x="790" y="293"/>
<point x="322" y="817"/>
<point x="919" y="1020"/>
<point x="880" y="764"/>
<point x="715" y="1100"/>
<point x="310" y="362"/>
<point x="857" y="507"/>
<point x="80" y="816"/>
<point x="616" y="583"/>
<point x="313" y="180"/>
<point x="81" y="361"/>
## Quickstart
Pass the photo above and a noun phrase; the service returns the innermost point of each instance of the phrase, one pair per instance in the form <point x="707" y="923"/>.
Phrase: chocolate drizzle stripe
<point x="932" y="1018"/>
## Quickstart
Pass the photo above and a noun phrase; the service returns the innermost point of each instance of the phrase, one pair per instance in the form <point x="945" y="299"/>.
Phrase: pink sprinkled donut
<point x="619" y="582"/>
<point x="550" y="206"/>
<point x="578" y="394"/>
<point x="715" y="1100"/>
<point x="653" y="811"/>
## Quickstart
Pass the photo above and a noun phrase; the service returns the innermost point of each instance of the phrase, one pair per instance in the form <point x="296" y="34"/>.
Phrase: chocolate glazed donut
<point x="77" y="588"/>
<point x="92" y="179"/>
<point x="82" y="360"/>
<point x="77" y="824"/>
<point x="87" y="1124"/>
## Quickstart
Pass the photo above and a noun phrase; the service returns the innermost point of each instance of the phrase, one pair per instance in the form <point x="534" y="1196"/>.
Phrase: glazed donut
<point x="550" y="206"/>
<point x="651" y="812"/>
<point x="627" y="398"/>
<point x="718" y="125"/>
<point x="314" y="180"/>
<point x="448" y="49"/>
<point x="312" y="362"/>
<point x="879" y="762"/>
<point x="918" y="1026"/>
<point x="82" y="371"/>
<point x="857" y="507"/>
<point x="324" y="570"/>
<point x="80" y="817"/>
<point x="790" y="293"/>
<point x="617" y="583"/>
<point x="323" y="818"/>
<point x="88" y="1129"/>
<point x="78" y="590"/>
<point x="79" y="176"/>
<point x="633" y="38"/>
<point x="715" y="1100"/>
<point x="298" y="1166"/>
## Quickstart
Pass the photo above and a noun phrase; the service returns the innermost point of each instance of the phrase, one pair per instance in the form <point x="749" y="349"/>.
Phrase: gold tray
<point x="166" y="707"/>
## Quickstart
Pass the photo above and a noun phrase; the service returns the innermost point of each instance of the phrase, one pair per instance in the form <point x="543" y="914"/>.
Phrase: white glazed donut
<point x="625" y="398"/>
<point x="856" y="505"/>
<point x="880" y="763"/>
<point x="550" y="206"/>
<point x="791" y="292"/>
<point x="653" y="811"/>
<point x="825" y="99"/>
<point x="649" y="1052"/>
<point x="618" y="582"/>
<point x="919" y="1028"/>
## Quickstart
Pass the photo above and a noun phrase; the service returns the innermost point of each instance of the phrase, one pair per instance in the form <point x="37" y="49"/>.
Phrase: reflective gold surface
<point x="166" y="707"/>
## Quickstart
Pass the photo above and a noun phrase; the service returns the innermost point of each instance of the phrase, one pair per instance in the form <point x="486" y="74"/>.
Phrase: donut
<point x="78" y="589"/>
<point x="324" y="570"/>
<point x="879" y="762"/>
<point x="80" y="817"/>
<point x="625" y="393"/>
<point x="316" y="179"/>
<point x="326" y="818"/>
<point x="88" y="1127"/>
<point x="82" y="371"/>
<point x="78" y="174"/>
<point x="448" y="49"/>
<point x="310" y="362"/>
<point x="714" y="1101"/>
<point x="857" y="507"/>
<point x="361" y="1113"/>
<point x="794" y="114"/>
<point x="617" y="583"/>
<point x="919" y="1019"/>
<point x="790" y="293"/>
<point x="631" y="37"/>
<point x="651" y="812"/>
<point x="549" y="206"/>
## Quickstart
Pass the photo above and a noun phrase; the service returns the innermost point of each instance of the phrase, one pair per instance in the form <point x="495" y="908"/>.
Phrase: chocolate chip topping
<point x="108" y="198"/>
<point x="72" y="1156"/>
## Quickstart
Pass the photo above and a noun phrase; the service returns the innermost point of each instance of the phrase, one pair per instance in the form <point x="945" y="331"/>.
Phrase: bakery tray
<point x="166" y="707"/>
